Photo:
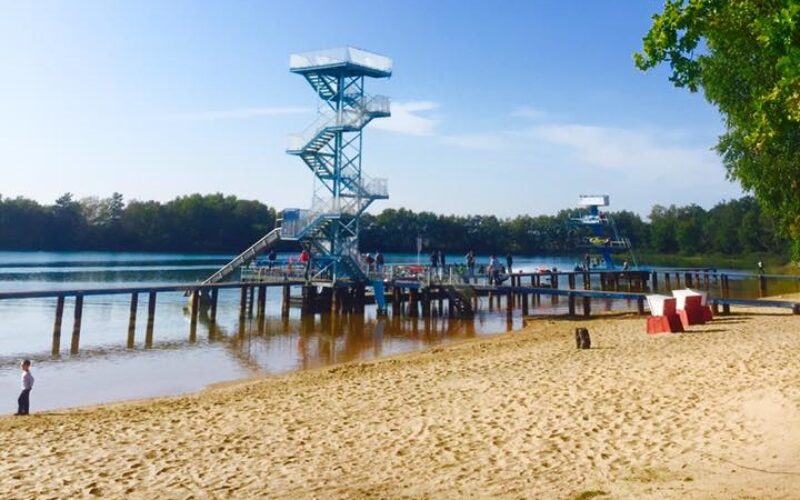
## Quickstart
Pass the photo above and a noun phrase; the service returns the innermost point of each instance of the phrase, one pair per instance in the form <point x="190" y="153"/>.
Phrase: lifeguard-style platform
<point x="605" y="238"/>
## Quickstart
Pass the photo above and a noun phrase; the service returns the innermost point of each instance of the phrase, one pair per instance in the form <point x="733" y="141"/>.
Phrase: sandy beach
<point x="714" y="413"/>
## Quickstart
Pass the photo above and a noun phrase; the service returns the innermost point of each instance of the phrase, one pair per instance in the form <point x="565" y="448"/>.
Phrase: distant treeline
<point x="730" y="228"/>
<point x="217" y="223"/>
<point x="196" y="223"/>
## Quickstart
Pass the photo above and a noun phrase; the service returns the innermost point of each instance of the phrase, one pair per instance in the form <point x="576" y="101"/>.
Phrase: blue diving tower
<point x="331" y="148"/>
<point x="604" y="238"/>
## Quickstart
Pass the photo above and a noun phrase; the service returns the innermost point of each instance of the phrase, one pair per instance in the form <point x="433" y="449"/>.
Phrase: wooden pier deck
<point x="415" y="296"/>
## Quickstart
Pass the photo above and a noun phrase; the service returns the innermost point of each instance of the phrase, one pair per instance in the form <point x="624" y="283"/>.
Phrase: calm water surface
<point x="106" y="369"/>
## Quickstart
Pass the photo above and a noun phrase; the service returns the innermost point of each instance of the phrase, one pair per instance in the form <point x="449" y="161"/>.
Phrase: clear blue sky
<point x="503" y="108"/>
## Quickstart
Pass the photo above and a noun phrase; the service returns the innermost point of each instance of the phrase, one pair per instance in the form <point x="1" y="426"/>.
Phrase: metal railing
<point x="343" y="55"/>
<point x="349" y="118"/>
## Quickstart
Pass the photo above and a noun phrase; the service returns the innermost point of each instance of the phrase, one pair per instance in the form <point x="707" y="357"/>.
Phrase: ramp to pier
<point x="272" y="238"/>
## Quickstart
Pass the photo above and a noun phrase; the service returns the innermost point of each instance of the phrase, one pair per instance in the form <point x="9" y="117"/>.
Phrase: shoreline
<point x="254" y="379"/>
<point x="698" y="415"/>
<point x="226" y="384"/>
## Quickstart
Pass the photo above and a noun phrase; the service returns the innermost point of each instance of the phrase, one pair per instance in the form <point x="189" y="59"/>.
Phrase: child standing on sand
<point x="23" y="402"/>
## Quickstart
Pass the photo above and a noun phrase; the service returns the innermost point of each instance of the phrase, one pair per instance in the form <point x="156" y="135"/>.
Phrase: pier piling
<point x="285" y="300"/>
<point x="426" y="301"/>
<point x="212" y="313"/>
<point x="57" y="325"/>
<point x="251" y="300"/>
<point x="262" y="301"/>
<point x="151" y="318"/>
<point x="132" y="320"/>
<point x="76" y="326"/>
<point x="726" y="308"/>
<point x="195" y="305"/>
<point x="413" y="300"/>
<point x="242" y="302"/>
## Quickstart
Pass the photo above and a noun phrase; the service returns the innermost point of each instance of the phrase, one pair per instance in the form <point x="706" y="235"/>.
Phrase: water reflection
<point x="126" y="364"/>
<point x="175" y="356"/>
<point x="275" y="344"/>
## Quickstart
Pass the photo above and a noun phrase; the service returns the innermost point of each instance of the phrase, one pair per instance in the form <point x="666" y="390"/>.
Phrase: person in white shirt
<point x="24" y="402"/>
<point x="494" y="270"/>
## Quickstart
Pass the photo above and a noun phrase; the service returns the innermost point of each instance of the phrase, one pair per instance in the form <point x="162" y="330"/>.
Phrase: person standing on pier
<point x="441" y="263"/>
<point x="379" y="262"/>
<point x="434" y="263"/>
<point x="494" y="270"/>
<point x="470" y="259"/>
<point x="370" y="261"/>
<point x="509" y="261"/>
<point x="271" y="258"/>
<point x="24" y="401"/>
<point x="305" y="261"/>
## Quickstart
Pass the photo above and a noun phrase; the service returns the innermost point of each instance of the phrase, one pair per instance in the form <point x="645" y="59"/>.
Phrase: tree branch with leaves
<point x="745" y="57"/>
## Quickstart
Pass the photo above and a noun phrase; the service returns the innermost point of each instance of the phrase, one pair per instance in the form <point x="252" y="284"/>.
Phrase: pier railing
<point x="415" y="286"/>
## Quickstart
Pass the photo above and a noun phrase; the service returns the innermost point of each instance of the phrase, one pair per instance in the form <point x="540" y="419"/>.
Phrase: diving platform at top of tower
<point x="604" y="237"/>
<point x="343" y="58"/>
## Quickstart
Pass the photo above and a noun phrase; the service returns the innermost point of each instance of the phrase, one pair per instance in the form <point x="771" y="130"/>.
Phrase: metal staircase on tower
<point x="331" y="148"/>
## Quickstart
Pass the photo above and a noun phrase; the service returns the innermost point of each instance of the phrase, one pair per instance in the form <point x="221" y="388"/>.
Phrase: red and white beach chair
<point x="664" y="316"/>
<point x="692" y="307"/>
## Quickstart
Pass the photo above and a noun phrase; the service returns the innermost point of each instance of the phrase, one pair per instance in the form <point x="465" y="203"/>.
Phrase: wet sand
<point x="714" y="413"/>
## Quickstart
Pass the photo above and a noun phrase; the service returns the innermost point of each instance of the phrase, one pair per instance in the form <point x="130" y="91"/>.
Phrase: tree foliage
<point x="730" y="228"/>
<point x="226" y="224"/>
<point x="745" y="56"/>
<point x="196" y="223"/>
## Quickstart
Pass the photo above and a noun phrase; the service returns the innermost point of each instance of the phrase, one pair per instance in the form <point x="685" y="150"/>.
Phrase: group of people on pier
<point x="496" y="271"/>
<point x="374" y="264"/>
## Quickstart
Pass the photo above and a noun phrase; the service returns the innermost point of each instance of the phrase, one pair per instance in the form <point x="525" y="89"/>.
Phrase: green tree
<point x="663" y="222"/>
<point x="68" y="223"/>
<point x="745" y="56"/>
<point x="689" y="230"/>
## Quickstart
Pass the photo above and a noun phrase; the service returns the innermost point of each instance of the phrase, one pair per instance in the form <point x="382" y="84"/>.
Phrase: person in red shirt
<point x="305" y="260"/>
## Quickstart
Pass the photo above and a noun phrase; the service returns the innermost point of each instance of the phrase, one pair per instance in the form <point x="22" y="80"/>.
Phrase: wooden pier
<point x="416" y="297"/>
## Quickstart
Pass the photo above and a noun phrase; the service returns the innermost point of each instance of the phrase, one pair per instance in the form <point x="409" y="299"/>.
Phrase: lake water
<point x="106" y="369"/>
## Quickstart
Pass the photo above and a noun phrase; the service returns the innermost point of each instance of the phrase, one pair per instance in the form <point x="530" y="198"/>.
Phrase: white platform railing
<point x="340" y="56"/>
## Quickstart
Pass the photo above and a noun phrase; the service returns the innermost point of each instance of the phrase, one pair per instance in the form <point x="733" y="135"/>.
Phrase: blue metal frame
<point x="333" y="154"/>
<point x="602" y="226"/>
